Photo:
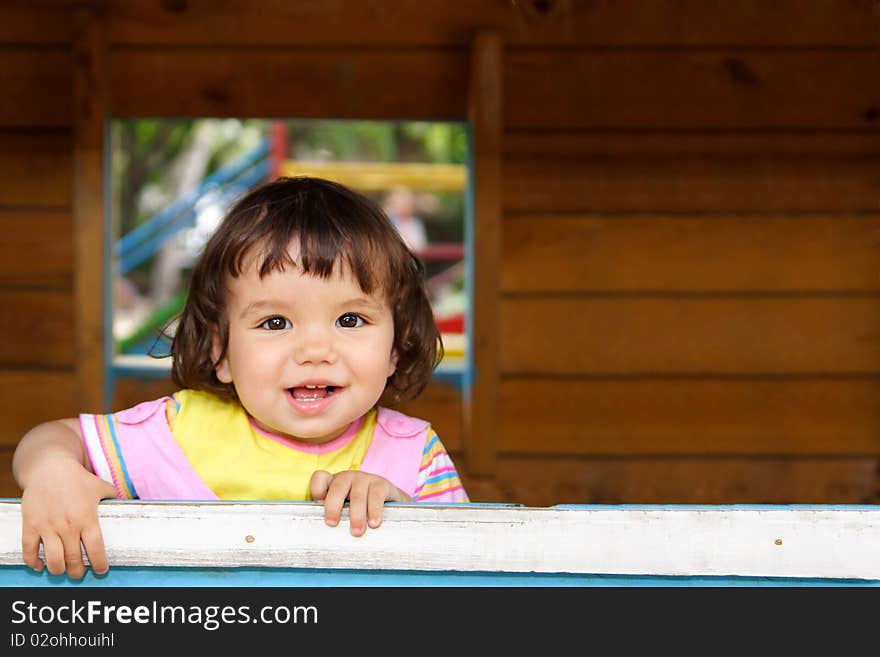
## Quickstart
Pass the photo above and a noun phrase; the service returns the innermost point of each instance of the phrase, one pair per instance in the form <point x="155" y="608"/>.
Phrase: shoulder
<point x="136" y="414"/>
<point x="399" y="425"/>
<point x="200" y="400"/>
<point x="193" y="401"/>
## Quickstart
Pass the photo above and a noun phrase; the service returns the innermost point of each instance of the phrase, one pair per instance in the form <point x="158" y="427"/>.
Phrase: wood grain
<point x="36" y="249"/>
<point x="36" y="87"/>
<point x="672" y="541"/>
<point x="685" y="417"/>
<point x="435" y="22"/>
<point x="8" y="487"/>
<point x="91" y="93"/>
<point x="736" y="335"/>
<point x="31" y="397"/>
<point x="718" y="253"/>
<point x="36" y="328"/>
<point x="305" y="83"/>
<point x="35" y="168"/>
<point x="34" y="23"/>
<point x="675" y="89"/>
<point x="485" y="108"/>
<point x="545" y="481"/>
<point x="690" y="173"/>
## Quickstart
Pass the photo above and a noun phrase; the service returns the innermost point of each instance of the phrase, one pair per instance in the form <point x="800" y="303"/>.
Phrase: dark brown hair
<point x="333" y="225"/>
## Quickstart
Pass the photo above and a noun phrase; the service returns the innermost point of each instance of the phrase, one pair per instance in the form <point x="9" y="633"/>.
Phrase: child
<point x="303" y="309"/>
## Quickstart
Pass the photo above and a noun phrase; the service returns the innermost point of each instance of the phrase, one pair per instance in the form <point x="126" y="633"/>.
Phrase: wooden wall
<point x="689" y="301"/>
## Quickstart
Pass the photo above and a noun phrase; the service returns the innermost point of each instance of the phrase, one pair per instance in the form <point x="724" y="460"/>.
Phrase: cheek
<point x="248" y="360"/>
<point x="377" y="361"/>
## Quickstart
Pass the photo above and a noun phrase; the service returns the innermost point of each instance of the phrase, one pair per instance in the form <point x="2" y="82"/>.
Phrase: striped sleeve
<point x="438" y="479"/>
<point x="100" y="436"/>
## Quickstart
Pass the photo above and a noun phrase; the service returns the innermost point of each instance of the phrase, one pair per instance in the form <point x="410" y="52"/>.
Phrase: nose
<point x="314" y="344"/>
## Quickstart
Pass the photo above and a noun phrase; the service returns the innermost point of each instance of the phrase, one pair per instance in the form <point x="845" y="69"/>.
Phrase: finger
<point x="319" y="483"/>
<point x="357" y="507"/>
<point x="93" y="542"/>
<point x="107" y="491"/>
<point x="73" y="558"/>
<point x="30" y="549"/>
<point x="335" y="499"/>
<point x="53" y="554"/>
<point x="376" y="503"/>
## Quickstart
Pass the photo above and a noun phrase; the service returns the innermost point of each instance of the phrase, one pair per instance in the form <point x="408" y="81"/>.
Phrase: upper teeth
<point x="313" y="387"/>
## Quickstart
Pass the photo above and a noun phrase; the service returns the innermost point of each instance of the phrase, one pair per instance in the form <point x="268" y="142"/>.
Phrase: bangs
<point x="321" y="257"/>
<point x="329" y="233"/>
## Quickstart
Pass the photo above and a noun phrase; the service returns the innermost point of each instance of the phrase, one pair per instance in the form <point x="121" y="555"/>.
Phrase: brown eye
<point x="276" y="324"/>
<point x="350" y="320"/>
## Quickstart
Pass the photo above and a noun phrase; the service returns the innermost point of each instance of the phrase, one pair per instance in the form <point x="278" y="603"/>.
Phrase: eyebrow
<point x="362" y="301"/>
<point x="267" y="304"/>
<point x="260" y="306"/>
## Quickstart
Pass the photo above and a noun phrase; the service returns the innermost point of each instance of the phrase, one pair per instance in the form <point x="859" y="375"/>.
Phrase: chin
<point x="315" y="431"/>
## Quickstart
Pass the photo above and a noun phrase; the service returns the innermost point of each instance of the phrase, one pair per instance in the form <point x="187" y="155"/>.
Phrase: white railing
<point x="750" y="541"/>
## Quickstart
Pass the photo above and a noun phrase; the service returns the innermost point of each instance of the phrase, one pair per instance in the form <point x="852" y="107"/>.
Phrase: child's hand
<point x="366" y="494"/>
<point x="60" y="508"/>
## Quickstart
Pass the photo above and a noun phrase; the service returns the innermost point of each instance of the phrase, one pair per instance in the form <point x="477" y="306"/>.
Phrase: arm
<point x="59" y="501"/>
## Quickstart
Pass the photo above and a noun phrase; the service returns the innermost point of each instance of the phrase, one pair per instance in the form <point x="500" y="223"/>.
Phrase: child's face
<point x="289" y="331"/>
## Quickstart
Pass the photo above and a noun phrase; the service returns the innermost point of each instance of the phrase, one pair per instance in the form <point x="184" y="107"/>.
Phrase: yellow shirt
<point x="214" y="434"/>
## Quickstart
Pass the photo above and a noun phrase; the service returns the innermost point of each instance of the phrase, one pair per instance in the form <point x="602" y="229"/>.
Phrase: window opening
<point x="172" y="180"/>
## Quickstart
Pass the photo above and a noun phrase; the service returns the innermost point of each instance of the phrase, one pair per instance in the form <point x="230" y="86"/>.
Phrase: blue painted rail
<point x="287" y="544"/>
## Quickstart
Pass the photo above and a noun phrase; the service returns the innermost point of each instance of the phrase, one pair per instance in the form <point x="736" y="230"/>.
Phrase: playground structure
<point x="264" y="162"/>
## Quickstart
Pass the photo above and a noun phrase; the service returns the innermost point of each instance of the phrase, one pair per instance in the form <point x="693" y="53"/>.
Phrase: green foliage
<point x="379" y="141"/>
<point x="441" y="142"/>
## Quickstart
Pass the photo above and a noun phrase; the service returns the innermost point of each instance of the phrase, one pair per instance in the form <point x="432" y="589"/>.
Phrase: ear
<point x="221" y="368"/>
<point x="392" y="363"/>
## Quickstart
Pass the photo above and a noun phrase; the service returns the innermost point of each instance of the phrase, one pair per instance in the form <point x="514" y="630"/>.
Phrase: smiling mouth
<point x="311" y="393"/>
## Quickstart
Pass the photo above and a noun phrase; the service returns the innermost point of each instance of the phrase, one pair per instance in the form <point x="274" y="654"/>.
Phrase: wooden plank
<point x="727" y="253"/>
<point x="690" y="416"/>
<point x="666" y="145"/>
<point x="36" y="249"/>
<point x="8" y="487"/>
<point x="436" y="22"/>
<point x="35" y="168"/>
<point x="36" y="87"/>
<point x="670" y="172"/>
<point x="674" y="89"/>
<point x="664" y="335"/>
<point x="35" y="328"/>
<point x="30" y="397"/>
<point x="579" y="89"/>
<point x="485" y="107"/>
<point x="90" y="108"/>
<point x="664" y="480"/>
<point x="772" y="541"/>
<point x="35" y="22"/>
<point x="306" y="83"/>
